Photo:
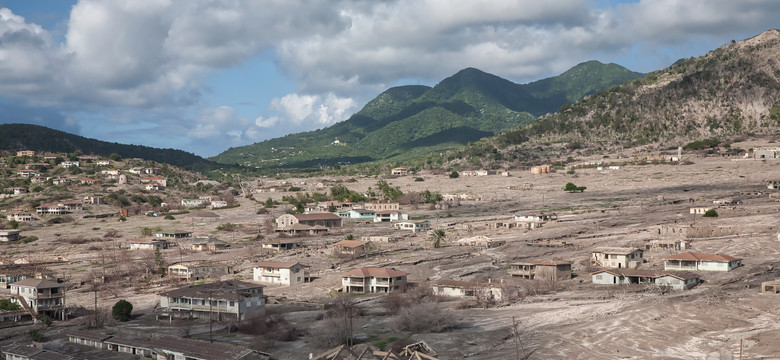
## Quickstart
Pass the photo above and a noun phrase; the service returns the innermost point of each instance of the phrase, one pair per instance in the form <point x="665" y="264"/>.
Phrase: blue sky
<point x="206" y="75"/>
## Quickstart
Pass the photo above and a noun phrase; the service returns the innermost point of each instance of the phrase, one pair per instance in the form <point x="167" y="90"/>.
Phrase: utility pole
<point x="211" y="318"/>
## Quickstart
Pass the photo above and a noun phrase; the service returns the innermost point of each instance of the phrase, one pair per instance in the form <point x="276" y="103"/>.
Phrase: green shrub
<point x="121" y="310"/>
<point x="169" y="217"/>
<point x="710" y="213"/>
<point x="454" y="175"/>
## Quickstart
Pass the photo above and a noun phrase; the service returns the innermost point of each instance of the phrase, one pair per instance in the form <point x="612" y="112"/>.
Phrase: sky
<point x="207" y="75"/>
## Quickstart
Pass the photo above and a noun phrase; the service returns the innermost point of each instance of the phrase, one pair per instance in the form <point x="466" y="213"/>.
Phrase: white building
<point x="224" y="300"/>
<point x="282" y="273"/>
<point x="40" y="296"/>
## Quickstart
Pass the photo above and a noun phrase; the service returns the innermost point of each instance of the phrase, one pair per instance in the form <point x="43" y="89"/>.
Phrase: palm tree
<point x="437" y="236"/>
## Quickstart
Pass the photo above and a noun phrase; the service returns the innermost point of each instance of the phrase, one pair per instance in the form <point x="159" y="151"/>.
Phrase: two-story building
<point x="224" y="300"/>
<point x="541" y="269"/>
<point x="373" y="280"/>
<point x="692" y="261"/>
<point x="390" y="216"/>
<point x="617" y="257"/>
<point x="280" y="272"/>
<point x="40" y="296"/>
<point x="194" y="271"/>
<point x="20" y="216"/>
<point x="382" y="205"/>
<point x="413" y="226"/>
<point x="10" y="235"/>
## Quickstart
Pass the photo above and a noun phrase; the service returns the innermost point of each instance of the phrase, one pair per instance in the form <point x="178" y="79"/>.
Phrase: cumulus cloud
<point x="313" y="109"/>
<point x="155" y="55"/>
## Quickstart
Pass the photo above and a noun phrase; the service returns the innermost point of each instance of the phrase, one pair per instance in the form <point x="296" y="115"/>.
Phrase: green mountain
<point x="411" y="121"/>
<point x="16" y="137"/>
<point x="730" y="92"/>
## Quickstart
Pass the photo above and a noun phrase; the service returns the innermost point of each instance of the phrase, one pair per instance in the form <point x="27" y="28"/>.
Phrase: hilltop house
<point x="20" y="216"/>
<point x="25" y="153"/>
<point x="617" y="257"/>
<point x="701" y="262"/>
<point x="228" y="300"/>
<point x="193" y="202"/>
<point x="279" y="272"/>
<point x="67" y="164"/>
<point x="373" y="280"/>
<point x="16" y="190"/>
<point x="545" y="269"/>
<point x="399" y="171"/>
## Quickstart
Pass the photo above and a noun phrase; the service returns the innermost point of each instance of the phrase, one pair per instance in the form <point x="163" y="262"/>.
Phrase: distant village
<point x="241" y="269"/>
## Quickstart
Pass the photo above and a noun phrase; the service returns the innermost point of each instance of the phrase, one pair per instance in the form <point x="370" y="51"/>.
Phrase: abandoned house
<point x="40" y="296"/>
<point x="357" y="214"/>
<point x="468" y="289"/>
<point x="328" y="220"/>
<point x="390" y="216"/>
<point x="228" y="300"/>
<point x="10" y="235"/>
<point x="675" y="280"/>
<point x="413" y="226"/>
<point x="194" y="271"/>
<point x="349" y="247"/>
<point x="700" y="210"/>
<point x="373" y="280"/>
<point x="545" y="269"/>
<point x="399" y="171"/>
<point x="301" y="229"/>
<point x="771" y="287"/>
<point x="281" y="273"/>
<point x="668" y="244"/>
<point x="12" y="273"/>
<point x="691" y="261"/>
<point x="174" y="234"/>
<point x="617" y="257"/>
<point x="281" y="244"/>
<point x="381" y="205"/>
<point x="480" y="241"/>
<point x="148" y="244"/>
<point x="164" y="347"/>
<point x="208" y="243"/>
<point x="19" y="216"/>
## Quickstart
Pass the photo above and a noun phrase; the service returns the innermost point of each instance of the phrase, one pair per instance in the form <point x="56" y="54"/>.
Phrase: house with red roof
<point x="373" y="280"/>
<point x="692" y="261"/>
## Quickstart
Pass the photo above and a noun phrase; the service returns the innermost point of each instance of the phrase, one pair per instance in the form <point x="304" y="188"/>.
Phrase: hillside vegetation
<point x="16" y="137"/>
<point x="731" y="91"/>
<point x="411" y="121"/>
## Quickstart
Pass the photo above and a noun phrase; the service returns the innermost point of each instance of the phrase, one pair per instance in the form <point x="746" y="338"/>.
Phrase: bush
<point x="35" y="335"/>
<point x="419" y="179"/>
<point x="710" y="213"/>
<point x="454" y="175"/>
<point x="121" y="310"/>
<point x="169" y="217"/>
<point x="7" y="304"/>
<point x="571" y="187"/>
<point x="269" y="203"/>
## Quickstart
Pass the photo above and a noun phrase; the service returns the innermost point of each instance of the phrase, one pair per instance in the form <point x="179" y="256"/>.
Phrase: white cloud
<point x="266" y="122"/>
<point x="313" y="109"/>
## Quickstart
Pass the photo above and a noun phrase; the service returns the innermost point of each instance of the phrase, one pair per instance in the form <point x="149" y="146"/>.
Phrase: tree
<point x="269" y="203"/>
<point x="710" y="213"/>
<point x="571" y="187"/>
<point x="389" y="192"/>
<point x="454" y="175"/>
<point x="115" y="157"/>
<point x="437" y="236"/>
<point x="7" y="304"/>
<point x="121" y="310"/>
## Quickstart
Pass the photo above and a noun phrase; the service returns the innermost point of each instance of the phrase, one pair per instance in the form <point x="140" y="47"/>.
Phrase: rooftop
<point x="222" y="290"/>
<point x="615" y="250"/>
<point x="692" y="256"/>
<point x="374" y="272"/>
